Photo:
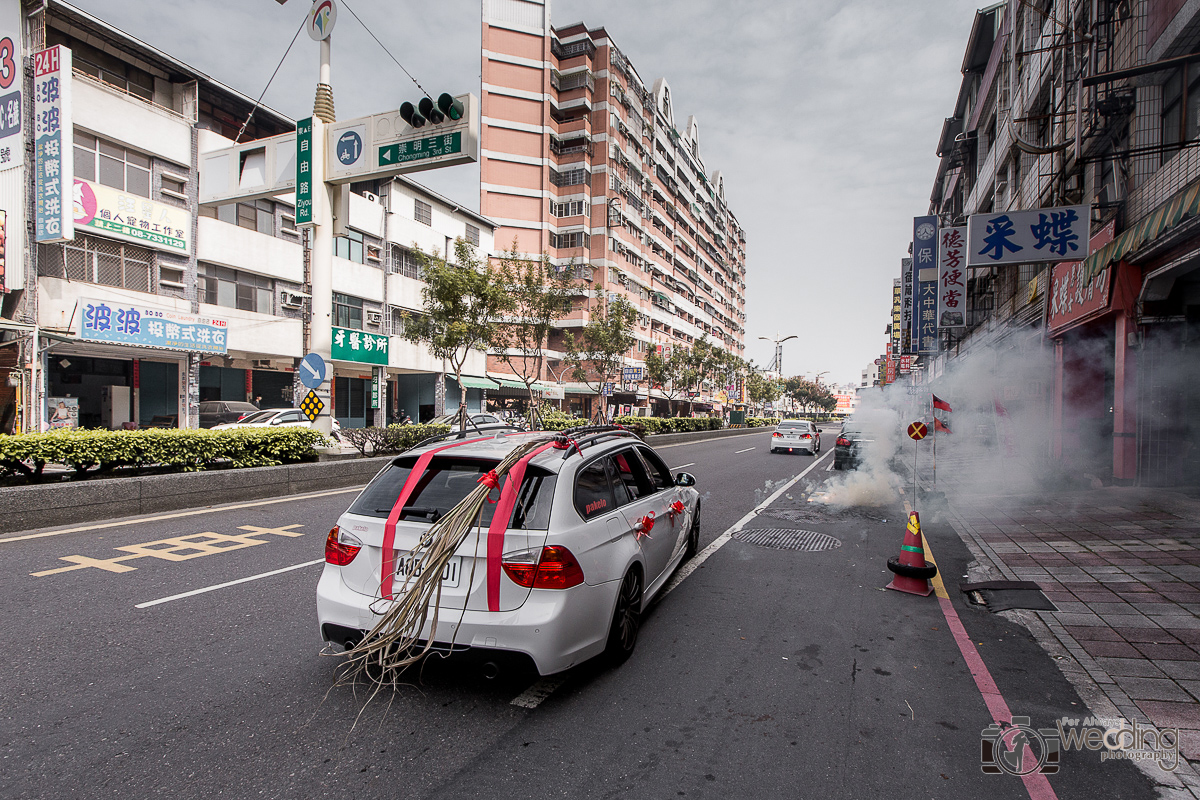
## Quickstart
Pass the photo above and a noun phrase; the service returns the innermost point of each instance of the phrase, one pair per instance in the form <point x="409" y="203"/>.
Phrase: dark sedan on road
<point x="849" y="447"/>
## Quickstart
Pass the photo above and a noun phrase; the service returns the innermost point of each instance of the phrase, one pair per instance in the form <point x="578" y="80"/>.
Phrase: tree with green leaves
<point x="809" y="395"/>
<point x="596" y="354"/>
<point x="761" y="389"/>
<point x="670" y="374"/>
<point x="462" y="304"/>
<point x="538" y="293"/>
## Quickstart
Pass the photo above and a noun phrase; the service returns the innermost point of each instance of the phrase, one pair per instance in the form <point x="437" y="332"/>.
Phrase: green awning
<point x="507" y="383"/>
<point x="1183" y="206"/>
<point x="472" y="382"/>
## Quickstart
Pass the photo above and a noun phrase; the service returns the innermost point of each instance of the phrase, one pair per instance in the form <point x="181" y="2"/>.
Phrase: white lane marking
<point x="650" y="441"/>
<point x="227" y="584"/>
<point x="691" y="566"/>
<point x="209" y="510"/>
<point x="747" y="450"/>
<point x="539" y="691"/>
<point x="830" y="467"/>
<point x="535" y="694"/>
<point x="681" y="466"/>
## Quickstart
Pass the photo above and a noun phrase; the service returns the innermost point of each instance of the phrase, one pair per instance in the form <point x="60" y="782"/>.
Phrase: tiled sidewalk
<point x="1123" y="567"/>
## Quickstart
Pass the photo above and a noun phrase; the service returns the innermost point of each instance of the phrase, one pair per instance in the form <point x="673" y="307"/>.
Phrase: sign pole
<point x="321" y="304"/>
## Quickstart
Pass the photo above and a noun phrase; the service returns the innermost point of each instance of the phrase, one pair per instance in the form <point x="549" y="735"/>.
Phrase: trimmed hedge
<point x="673" y="424"/>
<point x="92" y="451"/>
<point x="392" y="439"/>
<point x="761" y="422"/>
<point x="558" y="421"/>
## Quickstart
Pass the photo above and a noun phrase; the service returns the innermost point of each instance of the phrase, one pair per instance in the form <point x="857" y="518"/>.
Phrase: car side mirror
<point x="685" y="479"/>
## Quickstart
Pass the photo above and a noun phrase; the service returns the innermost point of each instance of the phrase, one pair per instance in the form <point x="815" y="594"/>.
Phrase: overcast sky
<point x="823" y="117"/>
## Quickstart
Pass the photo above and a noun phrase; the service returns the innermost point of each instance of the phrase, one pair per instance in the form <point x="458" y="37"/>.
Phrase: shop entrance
<point x="1169" y="405"/>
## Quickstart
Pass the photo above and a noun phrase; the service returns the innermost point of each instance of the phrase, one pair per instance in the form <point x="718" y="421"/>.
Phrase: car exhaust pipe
<point x="491" y="670"/>
<point x="351" y="643"/>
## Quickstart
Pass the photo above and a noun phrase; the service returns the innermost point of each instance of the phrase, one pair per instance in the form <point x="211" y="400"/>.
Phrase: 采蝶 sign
<point x="54" y="164"/>
<point x="361" y="346"/>
<point x="146" y="326"/>
<point x="120" y="215"/>
<point x="1025" y="237"/>
<point x="952" y="278"/>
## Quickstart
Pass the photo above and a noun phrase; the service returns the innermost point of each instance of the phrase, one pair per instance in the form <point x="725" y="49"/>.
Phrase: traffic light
<point x="427" y="111"/>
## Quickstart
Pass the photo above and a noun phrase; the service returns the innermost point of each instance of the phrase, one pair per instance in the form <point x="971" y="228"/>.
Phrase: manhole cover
<point x="788" y="539"/>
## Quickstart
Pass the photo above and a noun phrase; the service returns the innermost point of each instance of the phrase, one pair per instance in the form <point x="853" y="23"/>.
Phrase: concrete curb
<point x="48" y="505"/>
<point x="700" y="436"/>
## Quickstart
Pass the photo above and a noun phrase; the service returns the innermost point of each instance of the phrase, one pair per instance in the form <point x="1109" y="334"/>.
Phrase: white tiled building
<point x="142" y="121"/>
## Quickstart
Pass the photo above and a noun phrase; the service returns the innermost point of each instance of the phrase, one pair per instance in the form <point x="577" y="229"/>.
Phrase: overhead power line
<point x="389" y="52"/>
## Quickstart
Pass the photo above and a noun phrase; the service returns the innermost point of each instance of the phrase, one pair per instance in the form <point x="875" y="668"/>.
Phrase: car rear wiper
<point x="434" y="514"/>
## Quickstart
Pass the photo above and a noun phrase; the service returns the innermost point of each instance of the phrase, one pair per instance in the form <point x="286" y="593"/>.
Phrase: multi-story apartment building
<point x="1067" y="102"/>
<point x="142" y="123"/>
<point x="583" y="160"/>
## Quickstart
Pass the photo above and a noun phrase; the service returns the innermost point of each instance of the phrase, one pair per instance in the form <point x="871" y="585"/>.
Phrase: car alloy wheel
<point x="627" y="619"/>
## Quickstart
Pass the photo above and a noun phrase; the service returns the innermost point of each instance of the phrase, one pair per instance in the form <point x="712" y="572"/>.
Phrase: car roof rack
<point x="588" y="435"/>
<point x="490" y="433"/>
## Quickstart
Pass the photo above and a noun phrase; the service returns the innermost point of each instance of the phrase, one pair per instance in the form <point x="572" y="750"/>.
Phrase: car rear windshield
<point x="793" y="424"/>
<point x="445" y="483"/>
<point x="260" y="416"/>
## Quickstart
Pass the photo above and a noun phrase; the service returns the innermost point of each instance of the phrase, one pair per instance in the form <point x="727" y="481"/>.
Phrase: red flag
<point x="941" y="404"/>
<point x="938" y="425"/>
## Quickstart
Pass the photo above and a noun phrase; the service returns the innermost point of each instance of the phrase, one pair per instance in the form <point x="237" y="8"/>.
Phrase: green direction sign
<point x="420" y="149"/>
<point x="360" y="346"/>
<point x="304" y="187"/>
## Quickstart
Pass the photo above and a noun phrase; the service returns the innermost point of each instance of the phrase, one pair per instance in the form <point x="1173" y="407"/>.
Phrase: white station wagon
<point x="598" y="527"/>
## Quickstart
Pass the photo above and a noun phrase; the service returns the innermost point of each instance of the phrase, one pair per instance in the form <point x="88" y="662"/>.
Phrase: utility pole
<point x="321" y="304"/>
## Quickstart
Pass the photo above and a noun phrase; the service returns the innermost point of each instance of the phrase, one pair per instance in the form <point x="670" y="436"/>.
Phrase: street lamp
<point x="777" y="364"/>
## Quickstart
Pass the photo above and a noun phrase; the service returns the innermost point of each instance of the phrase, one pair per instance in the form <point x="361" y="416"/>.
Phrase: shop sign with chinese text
<point x="361" y="346"/>
<point x="925" y="284"/>
<point x="897" y="313"/>
<point x="54" y="164"/>
<point x="952" y="278"/>
<point x="146" y="326"/>
<point x="1028" y="236"/>
<point x="120" y="215"/>
<point x="1072" y="300"/>
<point x="304" y="188"/>
<point x="11" y="150"/>
<point x="906" y="285"/>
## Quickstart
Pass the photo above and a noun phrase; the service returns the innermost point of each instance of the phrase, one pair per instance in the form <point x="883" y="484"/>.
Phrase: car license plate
<point x="409" y="566"/>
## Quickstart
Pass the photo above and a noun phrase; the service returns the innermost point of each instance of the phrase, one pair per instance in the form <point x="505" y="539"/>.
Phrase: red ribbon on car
<point x="676" y="508"/>
<point x="647" y="524"/>
<point x="499" y="526"/>
<point x="389" y="529"/>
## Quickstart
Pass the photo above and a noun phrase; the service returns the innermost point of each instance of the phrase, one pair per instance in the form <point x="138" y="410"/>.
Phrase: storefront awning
<point x="506" y="381"/>
<point x="473" y="382"/>
<point x="1183" y="206"/>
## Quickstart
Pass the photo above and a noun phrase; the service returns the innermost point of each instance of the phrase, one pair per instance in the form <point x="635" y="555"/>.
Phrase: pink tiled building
<point x="583" y="160"/>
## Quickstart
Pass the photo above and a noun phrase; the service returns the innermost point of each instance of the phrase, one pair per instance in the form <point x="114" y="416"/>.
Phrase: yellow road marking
<point x="177" y="548"/>
<point x="211" y="510"/>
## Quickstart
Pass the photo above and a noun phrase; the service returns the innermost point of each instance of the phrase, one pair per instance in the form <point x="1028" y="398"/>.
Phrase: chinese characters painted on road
<point x="952" y="278"/>
<point x="1027" y="236"/>
<point x="123" y="323"/>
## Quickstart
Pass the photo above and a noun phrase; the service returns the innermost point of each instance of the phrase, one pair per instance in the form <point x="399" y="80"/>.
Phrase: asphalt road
<point x="764" y="673"/>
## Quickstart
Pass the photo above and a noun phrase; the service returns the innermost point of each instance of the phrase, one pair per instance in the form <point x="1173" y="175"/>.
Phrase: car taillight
<point x="806" y="436"/>
<point x="555" y="569"/>
<point x="341" y="548"/>
<point x="776" y="433"/>
<point x="842" y="441"/>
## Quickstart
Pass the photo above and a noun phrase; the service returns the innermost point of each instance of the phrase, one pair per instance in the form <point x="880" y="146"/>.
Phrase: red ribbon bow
<point x="677" y="507"/>
<point x="645" y="525"/>
<point x="491" y="480"/>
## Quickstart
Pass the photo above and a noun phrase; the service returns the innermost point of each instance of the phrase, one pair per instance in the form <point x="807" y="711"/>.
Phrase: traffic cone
<point x="912" y="573"/>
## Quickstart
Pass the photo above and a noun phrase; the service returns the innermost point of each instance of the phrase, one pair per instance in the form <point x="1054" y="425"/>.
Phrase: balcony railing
<point x="578" y="144"/>
<point x="577" y="80"/>
<point x="572" y="49"/>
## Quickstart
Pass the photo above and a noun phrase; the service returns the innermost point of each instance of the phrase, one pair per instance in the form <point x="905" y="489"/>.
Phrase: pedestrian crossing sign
<point x="311" y="405"/>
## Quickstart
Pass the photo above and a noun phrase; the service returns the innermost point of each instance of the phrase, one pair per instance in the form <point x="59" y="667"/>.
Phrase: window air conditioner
<point x="374" y="317"/>
<point x="374" y="198"/>
<point x="291" y="299"/>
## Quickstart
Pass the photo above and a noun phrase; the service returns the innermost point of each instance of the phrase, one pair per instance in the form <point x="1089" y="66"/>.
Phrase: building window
<point x="404" y="262"/>
<point x="103" y="66"/>
<point x="472" y="235"/>
<point x="347" y="311"/>
<point x="570" y="177"/>
<point x="95" y="260"/>
<point x="1181" y="100"/>
<point x="256" y="215"/>
<point x="221" y="286"/>
<point x="108" y="164"/>
<point x="423" y="212"/>
<point x="350" y="247"/>
<point x="562" y="240"/>
<point x="570" y="208"/>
